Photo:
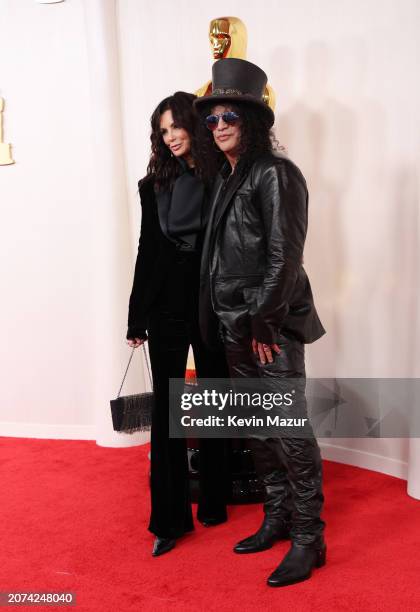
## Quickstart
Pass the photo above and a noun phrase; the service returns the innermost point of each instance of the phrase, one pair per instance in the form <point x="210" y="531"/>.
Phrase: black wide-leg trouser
<point x="290" y="468"/>
<point x="173" y="327"/>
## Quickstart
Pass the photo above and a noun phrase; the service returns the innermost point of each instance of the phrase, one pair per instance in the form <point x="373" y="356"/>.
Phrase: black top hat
<point x="236" y="80"/>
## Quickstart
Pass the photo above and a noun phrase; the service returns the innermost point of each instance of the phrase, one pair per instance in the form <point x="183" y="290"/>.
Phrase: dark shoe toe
<point x="162" y="546"/>
<point x="298" y="564"/>
<point x="246" y="545"/>
<point x="264" y="539"/>
<point x="285" y="578"/>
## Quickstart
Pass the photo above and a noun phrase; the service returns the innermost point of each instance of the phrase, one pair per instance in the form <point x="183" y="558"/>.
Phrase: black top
<point x="181" y="210"/>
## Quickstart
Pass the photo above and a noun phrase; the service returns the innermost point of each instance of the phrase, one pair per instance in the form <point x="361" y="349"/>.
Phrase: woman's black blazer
<point x="155" y="253"/>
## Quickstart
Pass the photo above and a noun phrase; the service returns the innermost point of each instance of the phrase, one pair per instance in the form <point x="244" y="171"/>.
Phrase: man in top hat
<point x="256" y="297"/>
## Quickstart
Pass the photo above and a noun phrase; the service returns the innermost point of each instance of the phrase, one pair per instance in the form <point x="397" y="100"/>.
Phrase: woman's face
<point x="226" y="136"/>
<point x="176" y="138"/>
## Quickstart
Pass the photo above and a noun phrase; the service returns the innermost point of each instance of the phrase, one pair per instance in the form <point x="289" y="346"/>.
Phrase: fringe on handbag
<point x="132" y="413"/>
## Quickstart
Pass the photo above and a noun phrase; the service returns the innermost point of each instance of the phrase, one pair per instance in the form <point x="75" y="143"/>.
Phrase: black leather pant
<point x="289" y="468"/>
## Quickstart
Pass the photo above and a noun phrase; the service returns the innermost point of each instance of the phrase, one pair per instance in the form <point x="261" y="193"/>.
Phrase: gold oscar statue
<point x="228" y="38"/>
<point x="5" y="149"/>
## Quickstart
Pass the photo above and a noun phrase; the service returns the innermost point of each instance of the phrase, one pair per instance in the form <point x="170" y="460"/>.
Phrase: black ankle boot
<point x="162" y="546"/>
<point x="270" y="531"/>
<point x="298" y="564"/>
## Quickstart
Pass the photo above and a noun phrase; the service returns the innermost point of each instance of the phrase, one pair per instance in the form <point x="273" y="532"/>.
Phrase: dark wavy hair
<point x="257" y="138"/>
<point x="162" y="164"/>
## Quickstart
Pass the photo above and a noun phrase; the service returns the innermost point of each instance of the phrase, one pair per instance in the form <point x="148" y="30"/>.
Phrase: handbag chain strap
<point x="146" y="358"/>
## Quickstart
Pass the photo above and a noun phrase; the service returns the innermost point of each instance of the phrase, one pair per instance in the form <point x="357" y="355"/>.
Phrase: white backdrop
<point x="79" y="98"/>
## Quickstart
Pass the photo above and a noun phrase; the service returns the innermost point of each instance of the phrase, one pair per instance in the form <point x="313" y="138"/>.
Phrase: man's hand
<point x="263" y="352"/>
<point x="135" y="342"/>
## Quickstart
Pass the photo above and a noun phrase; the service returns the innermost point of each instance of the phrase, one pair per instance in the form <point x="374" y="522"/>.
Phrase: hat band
<point x="223" y="91"/>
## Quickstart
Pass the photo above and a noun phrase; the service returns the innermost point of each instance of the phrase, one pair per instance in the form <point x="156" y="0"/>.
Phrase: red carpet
<point x="74" y="517"/>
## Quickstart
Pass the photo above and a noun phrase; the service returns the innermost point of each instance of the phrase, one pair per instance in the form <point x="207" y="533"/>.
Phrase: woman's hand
<point x="135" y="342"/>
<point x="263" y="352"/>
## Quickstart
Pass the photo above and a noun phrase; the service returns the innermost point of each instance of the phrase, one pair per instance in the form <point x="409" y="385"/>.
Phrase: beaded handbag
<point x="132" y="413"/>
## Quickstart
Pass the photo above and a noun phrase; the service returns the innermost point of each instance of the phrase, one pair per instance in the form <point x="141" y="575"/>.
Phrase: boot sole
<point x="255" y="550"/>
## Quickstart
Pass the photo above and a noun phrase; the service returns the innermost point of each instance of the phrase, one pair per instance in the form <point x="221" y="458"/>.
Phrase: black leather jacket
<point x="252" y="276"/>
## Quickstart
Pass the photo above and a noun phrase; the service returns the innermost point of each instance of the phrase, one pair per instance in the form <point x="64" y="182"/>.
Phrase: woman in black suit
<point x="163" y="309"/>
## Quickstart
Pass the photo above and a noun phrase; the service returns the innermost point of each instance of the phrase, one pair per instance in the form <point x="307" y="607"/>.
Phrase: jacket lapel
<point x="163" y="199"/>
<point x="209" y="229"/>
<point x="217" y="211"/>
<point x="208" y="321"/>
<point x="234" y="184"/>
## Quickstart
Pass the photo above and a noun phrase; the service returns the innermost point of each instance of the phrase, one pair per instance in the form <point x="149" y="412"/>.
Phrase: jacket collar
<point x="182" y="163"/>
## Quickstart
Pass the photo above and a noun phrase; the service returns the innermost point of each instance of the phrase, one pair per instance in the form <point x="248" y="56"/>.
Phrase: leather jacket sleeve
<point x="283" y="199"/>
<point x="137" y="316"/>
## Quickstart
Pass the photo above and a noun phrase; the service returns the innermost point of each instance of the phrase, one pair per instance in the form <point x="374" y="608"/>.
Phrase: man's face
<point x="226" y="136"/>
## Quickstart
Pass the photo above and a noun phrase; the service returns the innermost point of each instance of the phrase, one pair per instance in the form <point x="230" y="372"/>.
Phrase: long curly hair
<point x="163" y="166"/>
<point x="256" y="138"/>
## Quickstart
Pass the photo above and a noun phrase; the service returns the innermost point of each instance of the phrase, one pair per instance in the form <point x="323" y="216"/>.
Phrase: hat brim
<point x="212" y="100"/>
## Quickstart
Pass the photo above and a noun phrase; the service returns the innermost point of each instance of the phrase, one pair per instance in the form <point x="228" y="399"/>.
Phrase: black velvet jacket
<point x="158" y="248"/>
<point x="154" y="254"/>
<point x="251" y="273"/>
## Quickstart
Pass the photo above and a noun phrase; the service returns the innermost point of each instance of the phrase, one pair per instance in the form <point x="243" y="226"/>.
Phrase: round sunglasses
<point x="229" y="117"/>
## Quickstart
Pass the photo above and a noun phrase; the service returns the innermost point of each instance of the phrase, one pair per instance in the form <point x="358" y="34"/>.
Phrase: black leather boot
<point x="298" y="564"/>
<point x="162" y="546"/>
<point x="270" y="531"/>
